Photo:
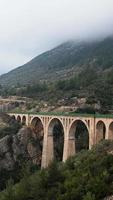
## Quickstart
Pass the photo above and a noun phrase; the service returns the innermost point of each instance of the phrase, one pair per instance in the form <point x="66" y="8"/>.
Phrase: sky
<point x="31" y="27"/>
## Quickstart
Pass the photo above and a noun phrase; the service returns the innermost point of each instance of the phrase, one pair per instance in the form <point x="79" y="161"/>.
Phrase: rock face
<point x="21" y="146"/>
<point x="6" y="158"/>
<point x="109" y="198"/>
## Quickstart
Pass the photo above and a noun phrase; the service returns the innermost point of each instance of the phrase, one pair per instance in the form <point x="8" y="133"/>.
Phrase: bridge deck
<point x="66" y="114"/>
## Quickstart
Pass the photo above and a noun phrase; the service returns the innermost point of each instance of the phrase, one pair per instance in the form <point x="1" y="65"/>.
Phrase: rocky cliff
<point x="16" y="147"/>
<point x="19" y="147"/>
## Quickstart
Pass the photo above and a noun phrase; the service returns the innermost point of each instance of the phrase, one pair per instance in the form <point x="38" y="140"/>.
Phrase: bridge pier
<point x="44" y="151"/>
<point x="91" y="127"/>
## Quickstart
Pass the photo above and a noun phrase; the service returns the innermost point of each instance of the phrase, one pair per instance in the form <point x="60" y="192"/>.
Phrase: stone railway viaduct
<point x="98" y="127"/>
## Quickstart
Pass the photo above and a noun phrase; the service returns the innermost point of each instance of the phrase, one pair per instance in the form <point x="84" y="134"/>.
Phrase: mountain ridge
<point x="62" y="61"/>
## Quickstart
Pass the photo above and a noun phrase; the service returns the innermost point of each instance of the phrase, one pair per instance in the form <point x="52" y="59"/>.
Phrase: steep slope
<point x="62" y="62"/>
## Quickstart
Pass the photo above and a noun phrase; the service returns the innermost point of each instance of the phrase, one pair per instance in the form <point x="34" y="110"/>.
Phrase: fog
<point x="30" y="27"/>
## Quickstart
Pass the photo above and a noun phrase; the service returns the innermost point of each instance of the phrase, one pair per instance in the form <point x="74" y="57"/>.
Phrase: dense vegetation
<point x="86" y="176"/>
<point x="87" y="83"/>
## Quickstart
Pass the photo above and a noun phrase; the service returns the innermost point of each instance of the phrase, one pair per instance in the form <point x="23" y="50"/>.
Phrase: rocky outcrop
<point x="17" y="147"/>
<point x="6" y="158"/>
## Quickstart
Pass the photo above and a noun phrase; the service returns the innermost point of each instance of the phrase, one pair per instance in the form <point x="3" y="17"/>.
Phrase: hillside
<point x="63" y="62"/>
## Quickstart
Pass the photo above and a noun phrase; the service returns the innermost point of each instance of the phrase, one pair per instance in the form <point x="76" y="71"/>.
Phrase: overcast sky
<point x="30" y="27"/>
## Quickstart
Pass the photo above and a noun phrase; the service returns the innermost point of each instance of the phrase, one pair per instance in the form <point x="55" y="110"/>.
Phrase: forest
<point x="85" y="176"/>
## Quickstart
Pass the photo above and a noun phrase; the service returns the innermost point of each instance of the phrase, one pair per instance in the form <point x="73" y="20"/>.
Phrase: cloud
<point x="29" y="27"/>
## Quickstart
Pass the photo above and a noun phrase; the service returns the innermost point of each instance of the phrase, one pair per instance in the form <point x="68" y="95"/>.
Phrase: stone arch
<point x="19" y="119"/>
<point x="78" y="136"/>
<point x="100" y="131"/>
<point x="110" y="131"/>
<point x="24" y="120"/>
<point x="55" y="140"/>
<point x="38" y="135"/>
<point x="34" y="120"/>
<point x="37" y="126"/>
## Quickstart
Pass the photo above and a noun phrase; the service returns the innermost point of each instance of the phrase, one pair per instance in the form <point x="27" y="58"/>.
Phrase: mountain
<point x="63" y="62"/>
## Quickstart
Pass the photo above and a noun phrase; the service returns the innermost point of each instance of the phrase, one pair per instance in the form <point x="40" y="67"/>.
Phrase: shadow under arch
<point x="110" y="131"/>
<point x="55" y="140"/>
<point x="19" y="119"/>
<point x="38" y="134"/>
<point x="24" y="120"/>
<point x="37" y="125"/>
<point x="78" y="137"/>
<point x="100" y="131"/>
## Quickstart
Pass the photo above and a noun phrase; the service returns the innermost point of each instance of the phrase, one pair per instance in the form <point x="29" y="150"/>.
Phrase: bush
<point x="86" y="176"/>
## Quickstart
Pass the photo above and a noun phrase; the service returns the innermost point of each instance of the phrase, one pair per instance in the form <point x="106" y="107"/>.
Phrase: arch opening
<point x="100" y="131"/>
<point x="24" y="120"/>
<point x="78" y="137"/>
<point x="38" y="134"/>
<point x="110" y="131"/>
<point x="18" y="119"/>
<point x="56" y="140"/>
